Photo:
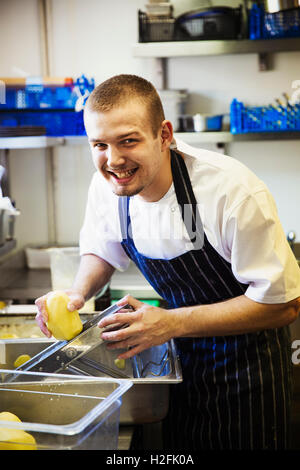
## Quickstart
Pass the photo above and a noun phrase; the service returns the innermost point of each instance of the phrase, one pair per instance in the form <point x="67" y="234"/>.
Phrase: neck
<point x="162" y="183"/>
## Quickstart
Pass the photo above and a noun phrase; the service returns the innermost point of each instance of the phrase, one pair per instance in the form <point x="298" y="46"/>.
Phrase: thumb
<point x="76" y="302"/>
<point x="129" y="300"/>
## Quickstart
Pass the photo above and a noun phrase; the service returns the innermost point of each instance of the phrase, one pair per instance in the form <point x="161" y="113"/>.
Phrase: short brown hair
<point x="120" y="89"/>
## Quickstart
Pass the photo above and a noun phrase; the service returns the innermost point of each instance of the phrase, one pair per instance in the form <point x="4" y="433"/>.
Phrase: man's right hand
<point x="77" y="301"/>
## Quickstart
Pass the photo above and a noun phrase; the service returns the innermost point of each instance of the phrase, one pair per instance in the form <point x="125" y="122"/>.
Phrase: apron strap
<point x="123" y="206"/>
<point x="186" y="200"/>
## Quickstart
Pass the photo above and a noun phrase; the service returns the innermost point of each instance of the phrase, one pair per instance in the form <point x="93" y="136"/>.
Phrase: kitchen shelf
<point x="30" y="142"/>
<point x="217" y="47"/>
<point x="188" y="137"/>
<point x="227" y="137"/>
<point x="211" y="137"/>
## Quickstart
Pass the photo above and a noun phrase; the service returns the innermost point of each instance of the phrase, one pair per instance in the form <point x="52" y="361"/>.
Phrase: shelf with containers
<point x="287" y="117"/>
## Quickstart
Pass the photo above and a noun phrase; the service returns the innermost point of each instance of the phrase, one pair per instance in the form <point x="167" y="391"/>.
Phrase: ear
<point x="166" y="134"/>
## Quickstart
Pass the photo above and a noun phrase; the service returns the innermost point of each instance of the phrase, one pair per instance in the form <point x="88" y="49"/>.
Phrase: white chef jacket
<point x="238" y="214"/>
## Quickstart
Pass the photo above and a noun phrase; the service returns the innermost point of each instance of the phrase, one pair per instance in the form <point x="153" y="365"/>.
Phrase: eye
<point x="100" y="145"/>
<point x="129" y="141"/>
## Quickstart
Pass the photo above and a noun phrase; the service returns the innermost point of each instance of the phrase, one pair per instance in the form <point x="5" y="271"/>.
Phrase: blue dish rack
<point x="245" y="119"/>
<point x="52" y="107"/>
<point x="282" y="24"/>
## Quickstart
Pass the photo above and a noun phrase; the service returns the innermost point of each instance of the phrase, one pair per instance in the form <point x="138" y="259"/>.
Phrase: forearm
<point x="92" y="275"/>
<point x="235" y="316"/>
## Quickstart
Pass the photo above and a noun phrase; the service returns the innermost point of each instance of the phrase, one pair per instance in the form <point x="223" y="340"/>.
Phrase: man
<point x="217" y="254"/>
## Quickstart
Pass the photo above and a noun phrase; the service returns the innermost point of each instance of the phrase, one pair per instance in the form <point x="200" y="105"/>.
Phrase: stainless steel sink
<point x="152" y="372"/>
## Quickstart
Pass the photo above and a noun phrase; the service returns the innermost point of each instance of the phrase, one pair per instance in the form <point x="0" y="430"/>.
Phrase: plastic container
<point x="37" y="257"/>
<point x="263" y="118"/>
<point x="201" y="123"/>
<point x="282" y="24"/>
<point x="174" y="104"/>
<point x="64" y="263"/>
<point x="159" y="9"/>
<point x="64" y="412"/>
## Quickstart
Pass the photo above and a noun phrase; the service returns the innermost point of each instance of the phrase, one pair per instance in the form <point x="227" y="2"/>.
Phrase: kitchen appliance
<point x="60" y="355"/>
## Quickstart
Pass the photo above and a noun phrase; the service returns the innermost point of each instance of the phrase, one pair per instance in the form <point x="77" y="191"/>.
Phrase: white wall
<point x="95" y="37"/>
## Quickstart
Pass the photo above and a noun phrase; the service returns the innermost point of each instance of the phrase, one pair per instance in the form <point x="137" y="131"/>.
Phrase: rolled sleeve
<point x="260" y="253"/>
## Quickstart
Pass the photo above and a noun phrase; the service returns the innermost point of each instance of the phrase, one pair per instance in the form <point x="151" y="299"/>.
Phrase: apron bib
<point x="236" y="390"/>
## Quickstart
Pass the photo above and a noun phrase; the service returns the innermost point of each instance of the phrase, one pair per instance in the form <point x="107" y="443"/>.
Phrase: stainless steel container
<point x="273" y="6"/>
<point x="152" y="372"/>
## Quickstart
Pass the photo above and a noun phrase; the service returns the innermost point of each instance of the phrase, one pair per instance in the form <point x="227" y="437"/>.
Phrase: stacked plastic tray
<point x="283" y="24"/>
<point x="245" y="119"/>
<point x="50" y="106"/>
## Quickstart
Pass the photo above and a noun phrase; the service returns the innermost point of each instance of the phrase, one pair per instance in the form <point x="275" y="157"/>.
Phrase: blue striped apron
<point x="236" y="390"/>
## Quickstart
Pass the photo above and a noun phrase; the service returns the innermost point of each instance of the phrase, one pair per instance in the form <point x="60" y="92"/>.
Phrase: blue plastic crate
<point x="51" y="106"/>
<point x="36" y="95"/>
<point x="57" y="123"/>
<point x="264" y="118"/>
<point x="282" y="24"/>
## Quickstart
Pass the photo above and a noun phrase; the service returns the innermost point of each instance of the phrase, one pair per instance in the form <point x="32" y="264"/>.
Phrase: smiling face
<point x="125" y="151"/>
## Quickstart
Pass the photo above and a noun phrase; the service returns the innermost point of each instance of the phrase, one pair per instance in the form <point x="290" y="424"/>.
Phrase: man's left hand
<point x="146" y="326"/>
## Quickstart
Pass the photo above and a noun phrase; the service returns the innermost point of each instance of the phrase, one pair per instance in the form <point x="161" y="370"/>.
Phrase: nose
<point x="114" y="158"/>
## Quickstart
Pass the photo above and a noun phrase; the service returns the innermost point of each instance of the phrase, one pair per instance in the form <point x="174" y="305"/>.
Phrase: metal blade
<point x="59" y="355"/>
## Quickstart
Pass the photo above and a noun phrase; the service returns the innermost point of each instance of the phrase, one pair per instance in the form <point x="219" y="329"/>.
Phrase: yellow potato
<point x="2" y="304"/>
<point x="15" y="439"/>
<point x="62" y="323"/>
<point x="8" y="336"/>
<point x="21" y="360"/>
<point x="7" y="416"/>
<point x="120" y="363"/>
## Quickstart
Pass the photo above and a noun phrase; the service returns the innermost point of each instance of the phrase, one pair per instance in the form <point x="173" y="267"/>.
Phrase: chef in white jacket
<point x="204" y="231"/>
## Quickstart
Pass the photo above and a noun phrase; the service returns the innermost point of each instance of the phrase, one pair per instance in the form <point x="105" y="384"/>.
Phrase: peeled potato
<point x="7" y="416"/>
<point x="62" y="323"/>
<point x="21" y="360"/>
<point x="120" y="363"/>
<point x="15" y="439"/>
<point x="8" y="336"/>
